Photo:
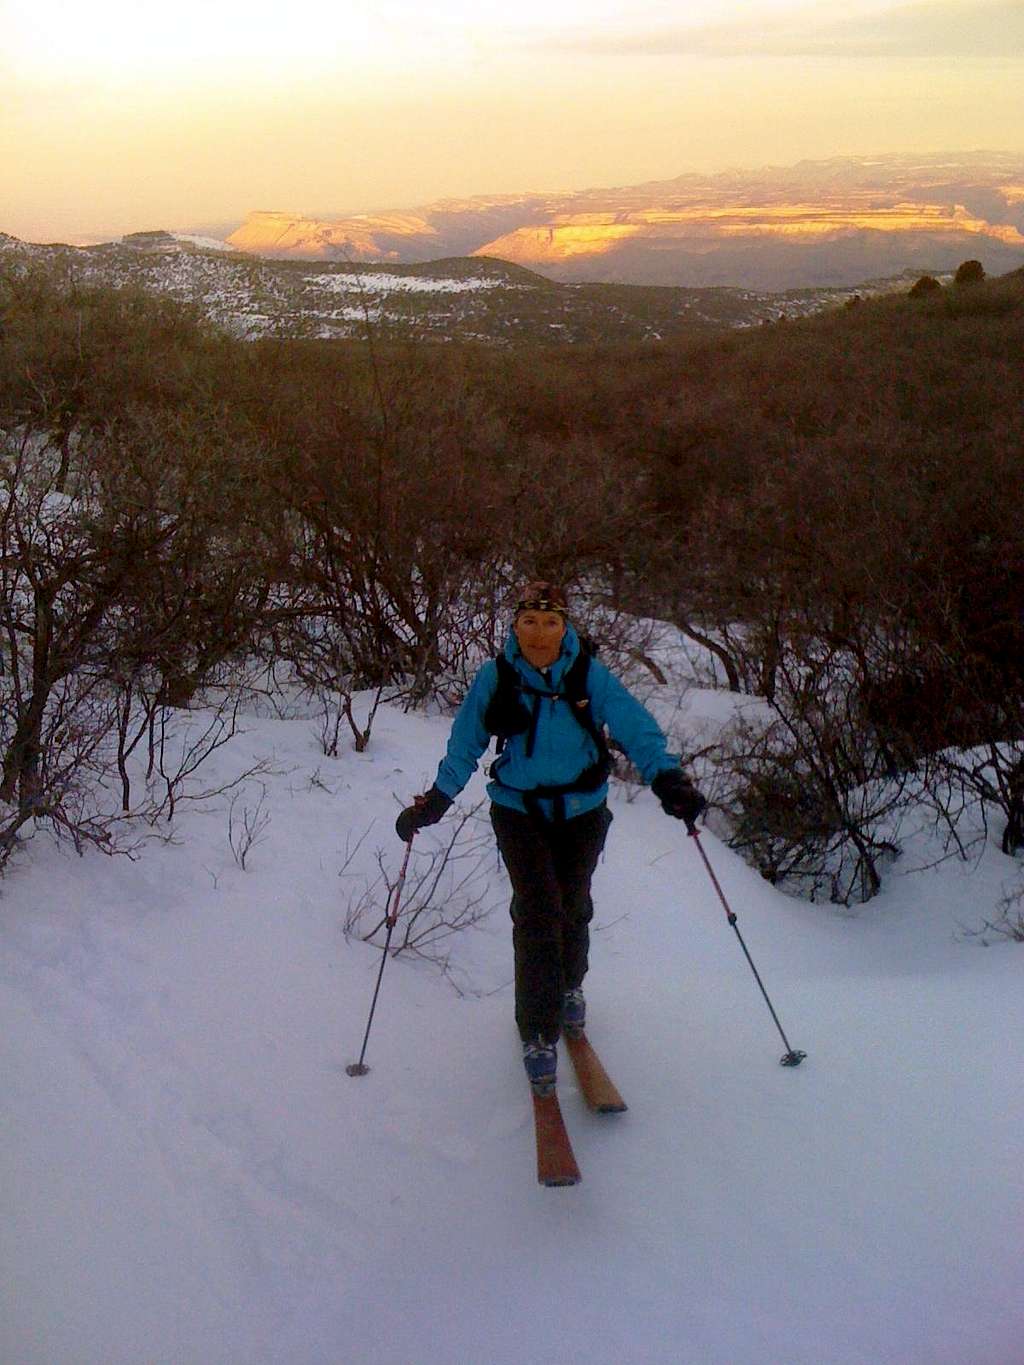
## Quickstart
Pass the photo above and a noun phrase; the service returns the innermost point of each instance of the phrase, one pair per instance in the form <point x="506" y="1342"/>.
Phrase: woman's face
<point x="540" y="636"/>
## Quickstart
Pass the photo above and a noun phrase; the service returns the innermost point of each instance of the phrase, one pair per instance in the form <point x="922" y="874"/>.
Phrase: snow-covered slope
<point x="191" y="1178"/>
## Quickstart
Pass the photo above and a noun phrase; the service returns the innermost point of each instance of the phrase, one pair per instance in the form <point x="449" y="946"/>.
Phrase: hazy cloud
<point x="929" y="28"/>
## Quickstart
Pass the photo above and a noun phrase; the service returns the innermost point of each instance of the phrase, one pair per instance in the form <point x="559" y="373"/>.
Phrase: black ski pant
<point x="550" y="865"/>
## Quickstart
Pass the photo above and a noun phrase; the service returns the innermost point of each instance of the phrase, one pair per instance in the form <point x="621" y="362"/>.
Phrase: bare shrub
<point x="969" y="272"/>
<point x="926" y="287"/>
<point x="63" y="577"/>
<point x="993" y="775"/>
<point x="1008" y="922"/>
<point x="390" y="498"/>
<point x="811" y="804"/>
<point x="318" y="658"/>
<point x="136" y="554"/>
<point x="447" y="890"/>
<point x="247" y="826"/>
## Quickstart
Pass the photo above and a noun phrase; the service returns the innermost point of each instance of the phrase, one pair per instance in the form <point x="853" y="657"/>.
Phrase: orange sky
<point x="116" y="116"/>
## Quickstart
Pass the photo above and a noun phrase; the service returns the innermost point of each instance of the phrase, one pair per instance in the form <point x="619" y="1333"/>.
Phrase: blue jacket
<point x="562" y="747"/>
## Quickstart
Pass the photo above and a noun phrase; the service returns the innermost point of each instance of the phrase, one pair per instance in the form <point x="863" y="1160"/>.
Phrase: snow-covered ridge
<point x="386" y="283"/>
<point x="204" y="243"/>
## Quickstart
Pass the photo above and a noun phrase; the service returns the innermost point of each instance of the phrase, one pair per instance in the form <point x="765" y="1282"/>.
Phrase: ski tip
<point x="554" y="1182"/>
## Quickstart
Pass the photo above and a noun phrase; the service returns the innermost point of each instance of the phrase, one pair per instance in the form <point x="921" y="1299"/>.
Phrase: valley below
<point x="639" y="264"/>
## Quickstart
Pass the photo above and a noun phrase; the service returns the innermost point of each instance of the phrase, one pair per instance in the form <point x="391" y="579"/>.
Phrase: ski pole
<point x="359" y="1068"/>
<point x="791" y="1058"/>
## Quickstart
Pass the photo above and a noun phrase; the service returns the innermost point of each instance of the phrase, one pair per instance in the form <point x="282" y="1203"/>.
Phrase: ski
<point x="556" y="1163"/>
<point x="598" y="1089"/>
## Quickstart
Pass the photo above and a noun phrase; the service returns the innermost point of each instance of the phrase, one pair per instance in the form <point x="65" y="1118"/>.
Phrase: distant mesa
<point x="154" y="237"/>
<point x="816" y="224"/>
<point x="157" y="240"/>
<point x="361" y="238"/>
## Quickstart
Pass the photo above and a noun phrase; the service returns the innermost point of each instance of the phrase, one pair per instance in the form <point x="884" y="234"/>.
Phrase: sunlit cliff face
<point x="662" y="222"/>
<point x="283" y="234"/>
<point x="569" y="236"/>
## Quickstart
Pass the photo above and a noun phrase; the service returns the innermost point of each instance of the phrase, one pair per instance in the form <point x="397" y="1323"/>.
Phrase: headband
<point x="541" y="604"/>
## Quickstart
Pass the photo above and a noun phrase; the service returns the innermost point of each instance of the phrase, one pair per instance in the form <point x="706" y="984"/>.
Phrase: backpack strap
<point x="507" y="714"/>
<point x="575" y="692"/>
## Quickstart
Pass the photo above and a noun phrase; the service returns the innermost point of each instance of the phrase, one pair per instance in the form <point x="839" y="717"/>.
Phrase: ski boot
<point x="541" y="1060"/>
<point x="574" y="1012"/>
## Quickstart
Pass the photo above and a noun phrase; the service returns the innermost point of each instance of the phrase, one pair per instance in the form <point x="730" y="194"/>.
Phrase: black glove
<point x="426" y="809"/>
<point x="678" y="796"/>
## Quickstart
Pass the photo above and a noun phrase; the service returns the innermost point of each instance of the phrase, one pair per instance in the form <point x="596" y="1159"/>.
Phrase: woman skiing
<point x="548" y="701"/>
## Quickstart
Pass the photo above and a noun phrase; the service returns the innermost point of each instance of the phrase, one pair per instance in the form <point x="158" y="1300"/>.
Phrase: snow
<point x="383" y="283"/>
<point x="190" y="1176"/>
<point x="208" y="243"/>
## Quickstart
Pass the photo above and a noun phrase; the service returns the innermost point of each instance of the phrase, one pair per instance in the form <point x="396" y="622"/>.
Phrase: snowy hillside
<point x="191" y="1178"/>
<point x="467" y="299"/>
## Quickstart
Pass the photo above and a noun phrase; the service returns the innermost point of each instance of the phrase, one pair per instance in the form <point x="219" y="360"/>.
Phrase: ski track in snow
<point x="190" y="1176"/>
